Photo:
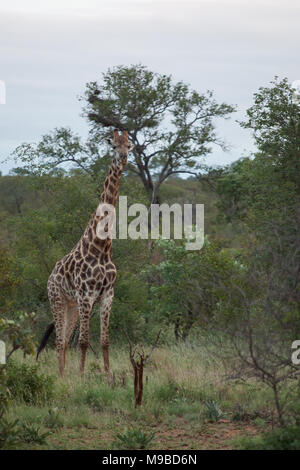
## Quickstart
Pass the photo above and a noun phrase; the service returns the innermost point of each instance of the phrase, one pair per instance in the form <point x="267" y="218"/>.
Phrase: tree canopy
<point x="171" y="125"/>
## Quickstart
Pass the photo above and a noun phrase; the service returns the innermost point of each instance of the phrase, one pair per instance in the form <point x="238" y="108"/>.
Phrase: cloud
<point x="49" y="51"/>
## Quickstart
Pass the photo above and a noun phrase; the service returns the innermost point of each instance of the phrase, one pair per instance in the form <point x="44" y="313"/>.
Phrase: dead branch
<point x="138" y="366"/>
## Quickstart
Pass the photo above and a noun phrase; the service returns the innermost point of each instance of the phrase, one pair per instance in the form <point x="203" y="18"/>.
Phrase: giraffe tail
<point x="44" y="339"/>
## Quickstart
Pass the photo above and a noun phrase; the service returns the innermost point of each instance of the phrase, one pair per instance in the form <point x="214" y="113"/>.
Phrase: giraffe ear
<point x="131" y="146"/>
<point x="108" y="140"/>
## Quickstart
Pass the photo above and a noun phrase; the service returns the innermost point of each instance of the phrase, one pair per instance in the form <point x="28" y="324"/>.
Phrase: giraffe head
<point x="121" y="146"/>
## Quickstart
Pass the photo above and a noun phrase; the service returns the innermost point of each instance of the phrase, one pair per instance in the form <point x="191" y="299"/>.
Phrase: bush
<point x="166" y="392"/>
<point x="27" y="385"/>
<point x="29" y="433"/>
<point x="9" y="433"/>
<point x="98" y="398"/>
<point x="4" y="392"/>
<point x="287" y="438"/>
<point x="213" y="411"/>
<point x="133" y="439"/>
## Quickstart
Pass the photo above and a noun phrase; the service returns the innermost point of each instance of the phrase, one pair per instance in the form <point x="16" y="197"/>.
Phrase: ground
<point x="178" y="436"/>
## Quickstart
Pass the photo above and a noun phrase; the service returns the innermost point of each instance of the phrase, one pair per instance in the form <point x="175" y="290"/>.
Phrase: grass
<point x="187" y="404"/>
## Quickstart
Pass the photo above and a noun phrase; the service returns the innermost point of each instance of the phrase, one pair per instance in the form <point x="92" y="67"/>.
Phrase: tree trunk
<point x="277" y="404"/>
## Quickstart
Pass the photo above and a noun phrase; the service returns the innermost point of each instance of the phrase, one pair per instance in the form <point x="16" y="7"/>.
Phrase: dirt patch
<point x="208" y="436"/>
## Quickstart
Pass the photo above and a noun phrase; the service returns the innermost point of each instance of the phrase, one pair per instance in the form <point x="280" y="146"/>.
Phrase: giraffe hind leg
<point x="105" y="307"/>
<point x="71" y="319"/>
<point x="84" y="308"/>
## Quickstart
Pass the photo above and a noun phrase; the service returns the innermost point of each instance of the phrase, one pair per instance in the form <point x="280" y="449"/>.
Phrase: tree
<point x="8" y="281"/>
<point x="263" y="301"/>
<point x="271" y="178"/>
<point x="275" y="121"/>
<point x="186" y="284"/>
<point x="60" y="147"/>
<point x="19" y="332"/>
<point x="264" y="191"/>
<point x="257" y="332"/>
<point x="171" y="125"/>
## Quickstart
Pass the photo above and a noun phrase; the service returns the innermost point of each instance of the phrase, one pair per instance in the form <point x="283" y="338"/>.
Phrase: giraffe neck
<point x="90" y="243"/>
<point x="112" y="182"/>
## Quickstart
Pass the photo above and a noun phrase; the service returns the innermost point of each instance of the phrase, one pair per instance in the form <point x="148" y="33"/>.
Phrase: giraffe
<point x="86" y="275"/>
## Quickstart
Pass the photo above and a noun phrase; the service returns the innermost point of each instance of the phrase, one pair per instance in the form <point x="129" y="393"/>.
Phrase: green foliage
<point x="275" y="121"/>
<point x="232" y="185"/>
<point x="134" y="439"/>
<point x="166" y="392"/>
<point x="97" y="397"/>
<point x="287" y="438"/>
<point x="26" y="384"/>
<point x="8" y="428"/>
<point x="130" y="307"/>
<point x="267" y="185"/>
<point x="187" y="286"/>
<point x="261" y="195"/>
<point x="58" y="147"/>
<point x="135" y="98"/>
<point x="12" y="434"/>
<point x="9" y="433"/>
<point x="8" y="281"/>
<point x="43" y="234"/>
<point x="18" y="332"/>
<point x="15" y="194"/>
<point x="4" y="391"/>
<point x="213" y="411"/>
<point x="32" y="434"/>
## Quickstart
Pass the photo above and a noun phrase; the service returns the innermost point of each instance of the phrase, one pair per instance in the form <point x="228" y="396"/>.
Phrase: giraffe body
<point x="86" y="275"/>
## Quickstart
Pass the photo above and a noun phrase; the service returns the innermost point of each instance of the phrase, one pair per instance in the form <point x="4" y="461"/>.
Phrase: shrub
<point x="98" y="398"/>
<point x="287" y="438"/>
<point x="133" y="439"/>
<point x="29" y="433"/>
<point x="213" y="411"/>
<point x="9" y="433"/>
<point x="27" y="385"/>
<point x="166" y="392"/>
<point x="4" y="391"/>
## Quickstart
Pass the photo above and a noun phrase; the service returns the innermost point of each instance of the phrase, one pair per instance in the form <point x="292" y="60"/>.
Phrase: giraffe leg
<point x="84" y="308"/>
<point x="71" y="319"/>
<point x="105" y="307"/>
<point x="58" y="307"/>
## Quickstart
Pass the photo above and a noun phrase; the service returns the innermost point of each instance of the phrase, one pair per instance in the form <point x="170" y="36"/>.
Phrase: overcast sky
<point x="49" y="50"/>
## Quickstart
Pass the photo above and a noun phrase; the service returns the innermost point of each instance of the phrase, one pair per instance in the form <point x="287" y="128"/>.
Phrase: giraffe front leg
<point x="58" y="307"/>
<point x="84" y="309"/>
<point x="105" y="308"/>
